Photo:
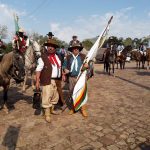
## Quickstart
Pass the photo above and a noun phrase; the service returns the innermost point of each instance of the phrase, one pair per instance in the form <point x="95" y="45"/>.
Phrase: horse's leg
<point x="109" y="66"/>
<point x="136" y="64"/>
<point x="148" y="64"/>
<point x="113" y="68"/>
<point x="139" y="64"/>
<point x="117" y="65"/>
<point x="142" y="64"/>
<point x="123" y="64"/>
<point x="120" y="64"/>
<point x="24" y="82"/>
<point x="104" y="66"/>
<point x="32" y="80"/>
<point x="5" y="97"/>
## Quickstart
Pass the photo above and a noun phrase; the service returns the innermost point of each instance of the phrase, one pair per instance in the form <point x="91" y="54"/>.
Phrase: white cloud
<point x="149" y="14"/>
<point x="123" y="25"/>
<point x="7" y="17"/>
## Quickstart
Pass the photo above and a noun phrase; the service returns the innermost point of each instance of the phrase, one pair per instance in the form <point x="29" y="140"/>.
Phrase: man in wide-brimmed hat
<point x="71" y="67"/>
<point x="50" y="35"/>
<point x="19" y="43"/>
<point x="47" y="72"/>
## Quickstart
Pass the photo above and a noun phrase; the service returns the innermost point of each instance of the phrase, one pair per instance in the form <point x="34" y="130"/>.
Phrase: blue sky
<point x="85" y="18"/>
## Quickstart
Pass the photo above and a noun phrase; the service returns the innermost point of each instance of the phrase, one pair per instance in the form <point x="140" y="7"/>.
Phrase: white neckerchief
<point x="74" y="63"/>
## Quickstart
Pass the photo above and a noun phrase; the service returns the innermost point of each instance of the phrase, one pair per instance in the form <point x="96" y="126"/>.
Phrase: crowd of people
<point x="54" y="66"/>
<point x="52" y="69"/>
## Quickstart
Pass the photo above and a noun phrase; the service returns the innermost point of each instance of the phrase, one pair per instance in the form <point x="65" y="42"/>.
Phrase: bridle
<point x="14" y="73"/>
<point x="36" y="56"/>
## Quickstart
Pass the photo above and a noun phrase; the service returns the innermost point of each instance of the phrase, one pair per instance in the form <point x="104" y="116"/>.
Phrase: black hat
<point x="50" y="34"/>
<point x="74" y="36"/>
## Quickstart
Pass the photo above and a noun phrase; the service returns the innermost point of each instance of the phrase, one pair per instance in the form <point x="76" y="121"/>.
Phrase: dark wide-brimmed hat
<point x="50" y="34"/>
<point x="51" y="42"/>
<point x="75" y="45"/>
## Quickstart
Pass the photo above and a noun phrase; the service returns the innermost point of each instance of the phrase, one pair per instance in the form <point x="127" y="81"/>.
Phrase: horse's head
<point x="18" y="71"/>
<point x="36" y="48"/>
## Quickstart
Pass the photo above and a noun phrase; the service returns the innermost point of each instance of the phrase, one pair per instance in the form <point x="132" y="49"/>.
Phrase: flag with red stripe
<point x="79" y="95"/>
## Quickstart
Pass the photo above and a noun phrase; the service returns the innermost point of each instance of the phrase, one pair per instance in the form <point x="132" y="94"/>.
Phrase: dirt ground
<point x="119" y="117"/>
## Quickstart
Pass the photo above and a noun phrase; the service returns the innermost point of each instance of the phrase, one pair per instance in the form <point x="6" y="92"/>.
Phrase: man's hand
<point x="66" y="71"/>
<point x="38" y="80"/>
<point x="63" y="77"/>
<point x="86" y="66"/>
<point x="37" y="85"/>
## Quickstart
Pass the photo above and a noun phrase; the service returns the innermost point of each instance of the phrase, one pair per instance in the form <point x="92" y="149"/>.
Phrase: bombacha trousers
<point x="49" y="95"/>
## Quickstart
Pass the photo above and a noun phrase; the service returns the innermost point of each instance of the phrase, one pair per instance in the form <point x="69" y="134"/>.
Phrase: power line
<point x="38" y="7"/>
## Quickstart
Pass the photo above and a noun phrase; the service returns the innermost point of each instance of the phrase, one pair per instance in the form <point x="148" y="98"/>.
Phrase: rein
<point x="14" y="69"/>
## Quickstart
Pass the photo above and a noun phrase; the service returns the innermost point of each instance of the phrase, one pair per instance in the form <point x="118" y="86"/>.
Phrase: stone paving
<point x="119" y="117"/>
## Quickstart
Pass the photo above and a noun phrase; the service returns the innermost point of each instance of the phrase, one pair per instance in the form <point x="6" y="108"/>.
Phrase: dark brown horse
<point x="121" y="58"/>
<point x="11" y="66"/>
<point x="148" y="58"/>
<point x="109" y="58"/>
<point x="138" y="57"/>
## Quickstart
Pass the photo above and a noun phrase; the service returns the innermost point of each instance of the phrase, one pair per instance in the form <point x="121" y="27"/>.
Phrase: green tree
<point x="127" y="42"/>
<point x="3" y="31"/>
<point x="113" y="39"/>
<point x="8" y="47"/>
<point x="87" y="44"/>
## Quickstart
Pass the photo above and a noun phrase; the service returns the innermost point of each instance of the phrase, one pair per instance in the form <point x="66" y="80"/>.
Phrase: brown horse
<point x="109" y="58"/>
<point x="121" y="59"/>
<point x="148" y="58"/>
<point x="11" y="66"/>
<point x="138" y="57"/>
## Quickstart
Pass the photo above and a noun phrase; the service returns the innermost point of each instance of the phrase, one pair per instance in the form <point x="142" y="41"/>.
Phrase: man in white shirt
<point x="48" y="69"/>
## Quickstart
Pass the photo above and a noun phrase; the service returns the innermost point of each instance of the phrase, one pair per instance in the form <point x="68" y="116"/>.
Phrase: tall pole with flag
<point x="79" y="95"/>
<point x="16" y="19"/>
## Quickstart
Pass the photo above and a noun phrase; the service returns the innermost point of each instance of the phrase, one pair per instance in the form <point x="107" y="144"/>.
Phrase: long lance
<point x="16" y="18"/>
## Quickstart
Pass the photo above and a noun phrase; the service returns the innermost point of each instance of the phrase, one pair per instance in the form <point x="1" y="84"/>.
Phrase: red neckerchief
<point x="22" y="44"/>
<point x="53" y="60"/>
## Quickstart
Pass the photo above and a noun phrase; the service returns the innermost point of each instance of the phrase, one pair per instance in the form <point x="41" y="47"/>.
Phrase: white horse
<point x="31" y="55"/>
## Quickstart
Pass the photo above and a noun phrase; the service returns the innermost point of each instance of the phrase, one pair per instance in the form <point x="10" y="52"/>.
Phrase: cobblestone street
<point x="118" y="109"/>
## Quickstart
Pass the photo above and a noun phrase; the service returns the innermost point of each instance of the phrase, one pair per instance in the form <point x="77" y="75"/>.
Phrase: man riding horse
<point x="142" y="49"/>
<point x="20" y="41"/>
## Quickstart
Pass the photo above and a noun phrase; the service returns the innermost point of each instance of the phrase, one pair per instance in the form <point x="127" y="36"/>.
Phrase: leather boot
<point x="47" y="115"/>
<point x="53" y="111"/>
<point x="84" y="111"/>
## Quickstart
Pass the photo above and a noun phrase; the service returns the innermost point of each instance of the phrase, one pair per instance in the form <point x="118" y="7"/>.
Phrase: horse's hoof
<point x="6" y="110"/>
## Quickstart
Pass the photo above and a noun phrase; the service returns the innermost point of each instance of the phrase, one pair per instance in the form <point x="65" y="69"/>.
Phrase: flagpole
<point x="79" y="94"/>
<point x="102" y="34"/>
